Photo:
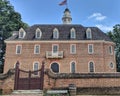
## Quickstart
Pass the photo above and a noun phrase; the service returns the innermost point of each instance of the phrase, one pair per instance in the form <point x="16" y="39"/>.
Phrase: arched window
<point x="88" y="33"/>
<point x="38" y="33"/>
<point x="111" y="50"/>
<point x="73" y="67"/>
<point x="91" y="67"/>
<point x="55" y="67"/>
<point x="55" y="33"/>
<point x="35" y="67"/>
<point x="72" y="33"/>
<point x="22" y="33"/>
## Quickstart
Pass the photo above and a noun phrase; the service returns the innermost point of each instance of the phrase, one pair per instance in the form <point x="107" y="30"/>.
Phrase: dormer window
<point x="88" y="33"/>
<point x="55" y="34"/>
<point x="22" y="33"/>
<point x="72" y="33"/>
<point x="38" y="33"/>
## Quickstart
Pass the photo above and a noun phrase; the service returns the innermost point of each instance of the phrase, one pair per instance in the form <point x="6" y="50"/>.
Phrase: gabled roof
<point x="64" y="32"/>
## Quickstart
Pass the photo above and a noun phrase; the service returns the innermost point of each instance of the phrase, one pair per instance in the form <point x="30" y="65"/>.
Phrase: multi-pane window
<point x="55" y="67"/>
<point x="73" y="67"/>
<point x="90" y="48"/>
<point x="21" y="33"/>
<point x="111" y="50"/>
<point x="18" y="49"/>
<point x="55" y="48"/>
<point x="37" y="49"/>
<point x="35" y="68"/>
<point x="88" y="33"/>
<point x="73" y="48"/>
<point x="55" y="34"/>
<point x="73" y="34"/>
<point x="38" y="33"/>
<point x="91" y="67"/>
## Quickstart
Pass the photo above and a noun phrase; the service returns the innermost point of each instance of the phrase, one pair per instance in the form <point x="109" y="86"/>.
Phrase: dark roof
<point x="64" y="32"/>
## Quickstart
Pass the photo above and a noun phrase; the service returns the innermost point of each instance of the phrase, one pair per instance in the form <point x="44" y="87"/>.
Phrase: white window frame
<point x="71" y="33"/>
<point x="24" y="33"/>
<point x="110" y="65"/>
<point x="36" y="48"/>
<point x="55" y="33"/>
<point x="34" y="67"/>
<point x="93" y="66"/>
<point x="88" y="33"/>
<point x="36" y="36"/>
<point x="53" y="48"/>
<point x="17" y="49"/>
<point x="71" y="48"/>
<point x="71" y="67"/>
<point x="110" y="48"/>
<point x="89" y="48"/>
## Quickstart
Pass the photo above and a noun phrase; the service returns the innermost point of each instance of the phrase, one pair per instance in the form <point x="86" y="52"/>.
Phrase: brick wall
<point x="100" y="57"/>
<point x="82" y="82"/>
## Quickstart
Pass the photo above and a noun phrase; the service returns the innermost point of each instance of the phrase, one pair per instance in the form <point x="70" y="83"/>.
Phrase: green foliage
<point x="115" y="36"/>
<point x="10" y="21"/>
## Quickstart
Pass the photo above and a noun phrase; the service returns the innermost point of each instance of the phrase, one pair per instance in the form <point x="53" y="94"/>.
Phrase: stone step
<point x="27" y="93"/>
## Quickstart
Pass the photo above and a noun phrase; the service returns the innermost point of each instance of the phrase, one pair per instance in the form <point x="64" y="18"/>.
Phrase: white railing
<point x="51" y="54"/>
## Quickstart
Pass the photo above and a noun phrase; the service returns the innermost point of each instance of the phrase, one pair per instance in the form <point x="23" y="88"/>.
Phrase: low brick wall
<point x="99" y="91"/>
<point x="81" y="80"/>
<point x="7" y="82"/>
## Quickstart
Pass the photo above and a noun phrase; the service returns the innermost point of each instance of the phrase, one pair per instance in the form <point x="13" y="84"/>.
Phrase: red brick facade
<point x="101" y="56"/>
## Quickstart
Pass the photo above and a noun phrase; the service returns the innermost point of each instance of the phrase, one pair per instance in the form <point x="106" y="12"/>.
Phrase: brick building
<point x="65" y="48"/>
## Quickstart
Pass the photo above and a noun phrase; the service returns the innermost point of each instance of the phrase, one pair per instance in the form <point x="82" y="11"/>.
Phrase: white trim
<point x="71" y="48"/>
<point x="110" y="49"/>
<point x="38" y="66"/>
<point x="89" y="66"/>
<point x="38" y="30"/>
<point x="24" y="33"/>
<point x="35" y="48"/>
<point x="55" y="45"/>
<point x="54" y="32"/>
<point x="110" y="66"/>
<point x="59" y="41"/>
<point x="89" y="48"/>
<point x="88" y="33"/>
<point x="20" y="48"/>
<point x="75" y="67"/>
<point x="51" y="64"/>
<point x="74" y="32"/>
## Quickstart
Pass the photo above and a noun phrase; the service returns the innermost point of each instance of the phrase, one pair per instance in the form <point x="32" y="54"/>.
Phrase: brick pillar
<point x="72" y="89"/>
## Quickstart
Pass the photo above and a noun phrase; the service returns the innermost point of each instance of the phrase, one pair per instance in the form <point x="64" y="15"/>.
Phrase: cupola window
<point x="38" y="33"/>
<point x="55" y="34"/>
<point x="22" y="33"/>
<point x="73" y="33"/>
<point x="88" y="33"/>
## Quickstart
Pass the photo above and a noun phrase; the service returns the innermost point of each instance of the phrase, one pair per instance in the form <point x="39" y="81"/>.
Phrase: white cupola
<point x="67" y="17"/>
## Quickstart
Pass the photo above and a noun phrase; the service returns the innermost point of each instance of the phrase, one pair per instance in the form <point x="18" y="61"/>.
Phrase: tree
<point x="115" y="36"/>
<point x="10" y="21"/>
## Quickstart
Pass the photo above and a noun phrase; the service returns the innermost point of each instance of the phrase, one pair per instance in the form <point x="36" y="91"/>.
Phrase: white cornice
<point x="62" y="41"/>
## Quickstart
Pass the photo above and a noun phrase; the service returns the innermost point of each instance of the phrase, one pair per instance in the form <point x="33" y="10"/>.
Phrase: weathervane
<point x="64" y="3"/>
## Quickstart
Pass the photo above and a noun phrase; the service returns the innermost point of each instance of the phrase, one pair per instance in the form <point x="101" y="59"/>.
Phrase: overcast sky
<point x="101" y="13"/>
